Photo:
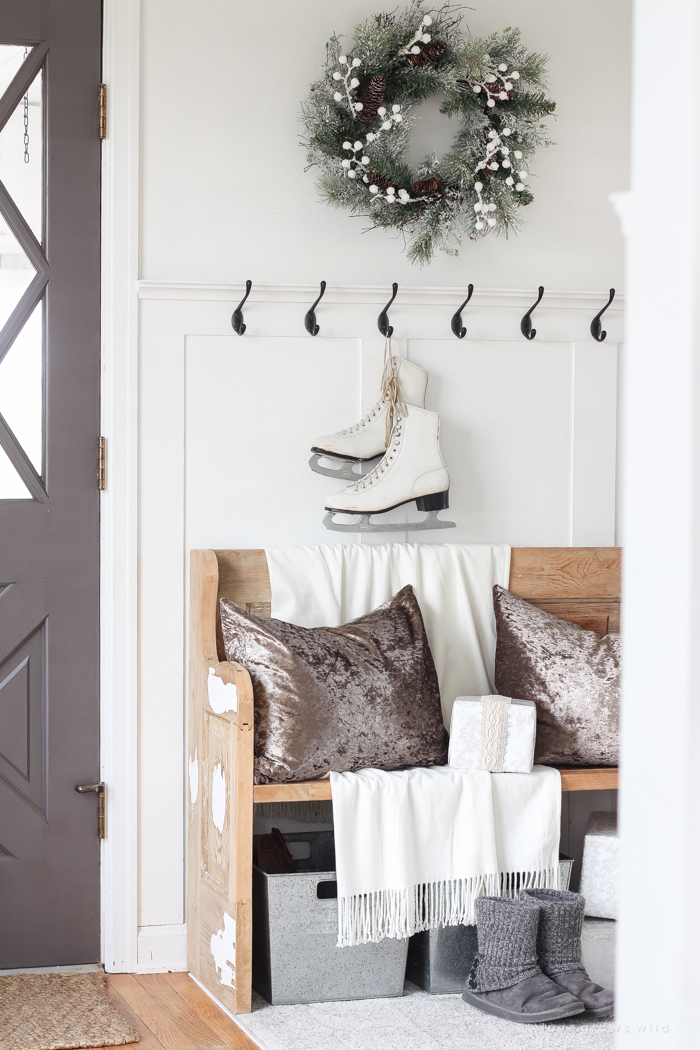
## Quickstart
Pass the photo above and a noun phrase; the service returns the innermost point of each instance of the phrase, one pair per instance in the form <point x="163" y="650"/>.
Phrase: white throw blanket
<point x="328" y="585"/>
<point x="414" y="849"/>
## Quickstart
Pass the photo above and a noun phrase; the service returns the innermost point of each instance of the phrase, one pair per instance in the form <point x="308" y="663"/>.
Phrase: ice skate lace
<point x="386" y="460"/>
<point x="391" y="397"/>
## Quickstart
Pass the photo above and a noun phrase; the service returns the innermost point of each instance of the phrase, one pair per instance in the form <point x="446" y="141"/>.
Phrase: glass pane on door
<point x="16" y="271"/>
<point x="11" y="58"/>
<point x="22" y="156"/>
<point x="21" y="388"/>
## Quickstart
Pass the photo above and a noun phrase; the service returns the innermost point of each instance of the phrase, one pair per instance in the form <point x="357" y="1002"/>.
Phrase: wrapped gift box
<point x="493" y="733"/>
<point x="599" y="867"/>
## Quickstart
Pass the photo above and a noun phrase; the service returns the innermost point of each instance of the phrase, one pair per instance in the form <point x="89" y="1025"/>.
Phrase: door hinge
<point x="100" y="790"/>
<point x="101" y="463"/>
<point x="103" y="111"/>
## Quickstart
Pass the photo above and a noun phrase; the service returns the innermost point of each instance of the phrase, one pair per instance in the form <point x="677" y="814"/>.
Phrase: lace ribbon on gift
<point x="494" y="732"/>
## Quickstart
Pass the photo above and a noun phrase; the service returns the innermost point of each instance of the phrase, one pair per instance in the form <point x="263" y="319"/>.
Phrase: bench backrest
<point x="580" y="584"/>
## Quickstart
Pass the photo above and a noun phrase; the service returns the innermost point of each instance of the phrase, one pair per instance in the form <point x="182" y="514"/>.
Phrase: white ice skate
<point x="364" y="442"/>
<point x="412" y="469"/>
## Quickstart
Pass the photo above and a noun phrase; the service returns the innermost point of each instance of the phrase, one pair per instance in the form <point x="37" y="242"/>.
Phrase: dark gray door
<point x="50" y="54"/>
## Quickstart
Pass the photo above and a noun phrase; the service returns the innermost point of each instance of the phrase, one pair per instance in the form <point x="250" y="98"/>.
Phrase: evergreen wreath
<point x="359" y="118"/>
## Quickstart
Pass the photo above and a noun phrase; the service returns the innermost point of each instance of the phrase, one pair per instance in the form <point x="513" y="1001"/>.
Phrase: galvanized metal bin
<point x="295" y="930"/>
<point x="439" y="961"/>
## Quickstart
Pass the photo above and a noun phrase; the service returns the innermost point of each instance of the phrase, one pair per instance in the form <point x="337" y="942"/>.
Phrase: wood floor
<point x="172" y="1013"/>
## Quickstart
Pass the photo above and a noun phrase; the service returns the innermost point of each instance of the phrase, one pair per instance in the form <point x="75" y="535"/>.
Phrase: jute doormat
<point x="51" y="1011"/>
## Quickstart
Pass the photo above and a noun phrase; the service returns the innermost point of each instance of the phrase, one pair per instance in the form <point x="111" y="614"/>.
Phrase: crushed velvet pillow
<point x="572" y="675"/>
<point x="340" y="698"/>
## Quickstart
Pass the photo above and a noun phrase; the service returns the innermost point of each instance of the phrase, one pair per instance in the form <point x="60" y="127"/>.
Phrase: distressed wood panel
<point x="561" y="573"/>
<point x="219" y="920"/>
<point x="218" y="774"/>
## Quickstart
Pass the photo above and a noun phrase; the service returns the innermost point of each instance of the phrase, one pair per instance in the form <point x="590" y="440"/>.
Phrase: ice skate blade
<point x="365" y="525"/>
<point x="344" y="471"/>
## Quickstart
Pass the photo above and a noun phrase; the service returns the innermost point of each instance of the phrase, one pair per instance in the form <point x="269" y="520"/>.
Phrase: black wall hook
<point x="310" y="319"/>
<point x="596" y="331"/>
<point x="526" y="324"/>
<point x="383" y="320"/>
<point x="237" y="318"/>
<point x="456" y="323"/>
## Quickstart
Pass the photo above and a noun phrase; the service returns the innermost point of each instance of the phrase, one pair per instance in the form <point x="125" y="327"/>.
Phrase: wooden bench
<point x="581" y="584"/>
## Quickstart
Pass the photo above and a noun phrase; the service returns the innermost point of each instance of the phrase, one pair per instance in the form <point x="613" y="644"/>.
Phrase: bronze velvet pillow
<point x="572" y="675"/>
<point x="341" y="698"/>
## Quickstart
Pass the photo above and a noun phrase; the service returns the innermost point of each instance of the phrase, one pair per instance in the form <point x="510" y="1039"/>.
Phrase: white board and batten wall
<point x="527" y="429"/>
<point x="224" y="423"/>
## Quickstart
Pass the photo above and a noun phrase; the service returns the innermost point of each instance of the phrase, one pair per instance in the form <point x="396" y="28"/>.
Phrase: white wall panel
<point x="253" y="406"/>
<point x="594" y="444"/>
<point x="505" y="433"/>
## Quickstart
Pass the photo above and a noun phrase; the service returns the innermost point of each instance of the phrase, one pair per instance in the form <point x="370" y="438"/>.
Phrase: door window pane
<point x="11" y="58"/>
<point x="16" y="271"/>
<point x="22" y="156"/>
<point x="21" y="388"/>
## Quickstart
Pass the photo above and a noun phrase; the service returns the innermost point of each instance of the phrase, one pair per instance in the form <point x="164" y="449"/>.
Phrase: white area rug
<point x="416" y="1021"/>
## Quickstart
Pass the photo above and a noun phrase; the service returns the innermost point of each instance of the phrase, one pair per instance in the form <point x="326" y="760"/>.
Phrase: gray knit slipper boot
<point x="505" y="978"/>
<point x="559" y="948"/>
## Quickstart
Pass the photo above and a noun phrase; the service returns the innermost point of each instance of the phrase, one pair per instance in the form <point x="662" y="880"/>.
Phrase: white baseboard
<point x="162" y="948"/>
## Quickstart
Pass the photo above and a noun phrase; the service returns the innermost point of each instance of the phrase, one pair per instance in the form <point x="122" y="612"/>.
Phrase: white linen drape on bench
<point x="327" y="585"/>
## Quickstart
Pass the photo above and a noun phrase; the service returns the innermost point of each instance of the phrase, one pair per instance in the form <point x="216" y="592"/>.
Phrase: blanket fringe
<point x="371" y="917"/>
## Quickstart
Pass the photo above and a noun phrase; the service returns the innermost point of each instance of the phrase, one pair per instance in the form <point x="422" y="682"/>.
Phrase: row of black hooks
<point x="456" y="324"/>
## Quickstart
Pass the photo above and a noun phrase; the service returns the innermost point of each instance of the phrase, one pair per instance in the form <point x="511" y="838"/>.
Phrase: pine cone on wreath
<point x="372" y="98"/>
<point x="495" y="91"/>
<point x="427" y="187"/>
<point x="429" y="54"/>
<point x="380" y="181"/>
